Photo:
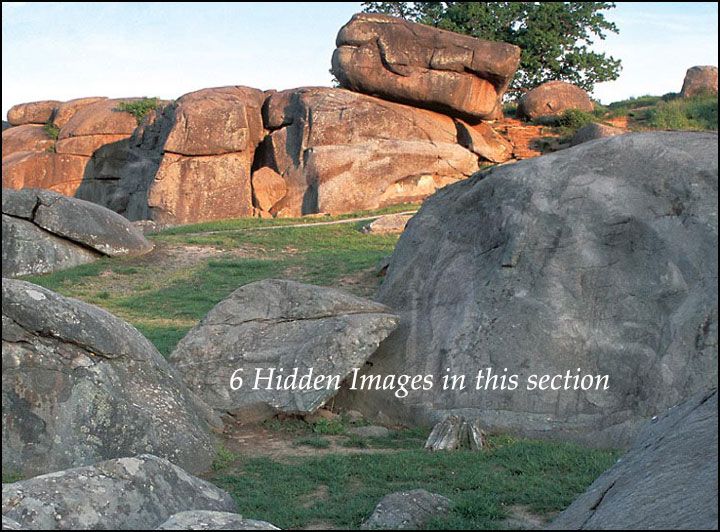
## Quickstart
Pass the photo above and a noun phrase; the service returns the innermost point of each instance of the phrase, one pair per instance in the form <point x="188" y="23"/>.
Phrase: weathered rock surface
<point x="388" y="224"/>
<point x="137" y="493"/>
<point x="667" y="481"/>
<point x="553" y="98"/>
<point x="340" y="151"/>
<point x="600" y="257"/>
<point x="9" y="524"/>
<point x="80" y="385"/>
<point x="279" y="324"/>
<point x="594" y="131"/>
<point x="65" y="165"/>
<point x="29" y="137"/>
<point x="269" y="187"/>
<point x="32" y="112"/>
<point x="209" y="520"/>
<point x="43" y="231"/>
<point x="424" y="66"/>
<point x="407" y="510"/>
<point x="455" y="432"/>
<point x="700" y="80"/>
<point x="483" y="141"/>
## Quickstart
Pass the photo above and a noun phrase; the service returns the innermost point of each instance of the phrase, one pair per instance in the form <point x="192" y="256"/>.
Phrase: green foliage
<point x="138" y="108"/>
<point x="223" y="459"/>
<point x="341" y="490"/>
<point x="555" y="37"/>
<point x="329" y="426"/>
<point x="574" y="119"/>
<point x="52" y="130"/>
<point x="699" y="113"/>
<point x="9" y="478"/>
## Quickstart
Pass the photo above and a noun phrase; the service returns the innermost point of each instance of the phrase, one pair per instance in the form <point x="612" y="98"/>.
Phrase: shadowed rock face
<point x="43" y="232"/>
<point x="600" y="257"/>
<point x="80" y="385"/>
<point x="279" y="324"/>
<point x="133" y="493"/>
<point x="667" y="481"/>
<point x="424" y="66"/>
<point x="700" y="80"/>
<point x="552" y="99"/>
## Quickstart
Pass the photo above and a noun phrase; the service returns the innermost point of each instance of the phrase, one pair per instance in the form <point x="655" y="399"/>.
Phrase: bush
<point x="138" y="108"/>
<point x="574" y="119"/>
<point x="52" y="130"/>
<point x="699" y="113"/>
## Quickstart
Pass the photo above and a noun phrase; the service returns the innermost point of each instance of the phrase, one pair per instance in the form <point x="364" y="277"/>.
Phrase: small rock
<point x="208" y="520"/>
<point x="455" y="433"/>
<point x="388" y="224"/>
<point x="407" y="510"/>
<point x="371" y="431"/>
<point x="594" y="131"/>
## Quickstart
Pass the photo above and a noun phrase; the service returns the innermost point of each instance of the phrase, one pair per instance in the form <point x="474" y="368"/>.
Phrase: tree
<point x="555" y="37"/>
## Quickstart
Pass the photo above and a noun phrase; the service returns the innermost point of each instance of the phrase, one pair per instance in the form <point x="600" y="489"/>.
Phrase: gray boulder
<point x="43" y="231"/>
<point x="137" y="493"/>
<point x="667" y="481"/>
<point x="601" y="257"/>
<point x="594" y="131"/>
<point x="9" y="524"/>
<point x="207" y="520"/>
<point x="279" y="325"/>
<point x="407" y="510"/>
<point x="80" y="386"/>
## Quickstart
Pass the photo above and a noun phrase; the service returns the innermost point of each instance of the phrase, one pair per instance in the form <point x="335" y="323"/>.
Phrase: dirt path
<point x="307" y="224"/>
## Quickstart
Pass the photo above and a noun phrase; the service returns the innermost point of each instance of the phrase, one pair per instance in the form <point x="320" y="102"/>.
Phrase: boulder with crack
<point x="80" y="385"/>
<point x="270" y="329"/>
<point x="43" y="231"/>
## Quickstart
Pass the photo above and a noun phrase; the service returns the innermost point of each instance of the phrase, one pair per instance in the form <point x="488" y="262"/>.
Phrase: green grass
<point x="138" y="108"/>
<point x="341" y="490"/>
<point x="312" y="441"/>
<point x="164" y="302"/>
<point x="223" y="459"/>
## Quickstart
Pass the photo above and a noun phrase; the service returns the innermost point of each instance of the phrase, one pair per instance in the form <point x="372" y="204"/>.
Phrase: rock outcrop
<point x="136" y="493"/>
<point x="667" y="481"/>
<point x="340" y="151"/>
<point x="80" y="385"/>
<point x="43" y="232"/>
<point x="553" y="98"/>
<point x="279" y="325"/>
<point x="700" y="80"/>
<point x="600" y="257"/>
<point x="28" y="137"/>
<point x="32" y="112"/>
<point x="209" y="520"/>
<point x="424" y="66"/>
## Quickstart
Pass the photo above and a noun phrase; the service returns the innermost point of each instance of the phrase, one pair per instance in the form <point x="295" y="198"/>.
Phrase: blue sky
<point x="61" y="51"/>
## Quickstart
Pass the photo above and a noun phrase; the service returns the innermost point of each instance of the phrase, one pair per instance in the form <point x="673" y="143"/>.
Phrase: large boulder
<point x="209" y="520"/>
<point x="700" y="80"/>
<point x="32" y="112"/>
<point x="60" y="172"/>
<point x="424" y="66"/>
<point x="553" y="98"/>
<point x="601" y="257"/>
<point x="135" y="493"/>
<point x="667" y="481"/>
<point x="340" y="151"/>
<point x="29" y="137"/>
<point x="279" y="325"/>
<point x="80" y="386"/>
<point x="43" y="232"/>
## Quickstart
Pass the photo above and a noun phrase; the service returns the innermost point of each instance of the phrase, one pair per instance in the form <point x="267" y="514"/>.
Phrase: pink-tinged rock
<point x="28" y="137"/>
<point x="552" y="99"/>
<point x="32" y="112"/>
<point x="424" y="66"/>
